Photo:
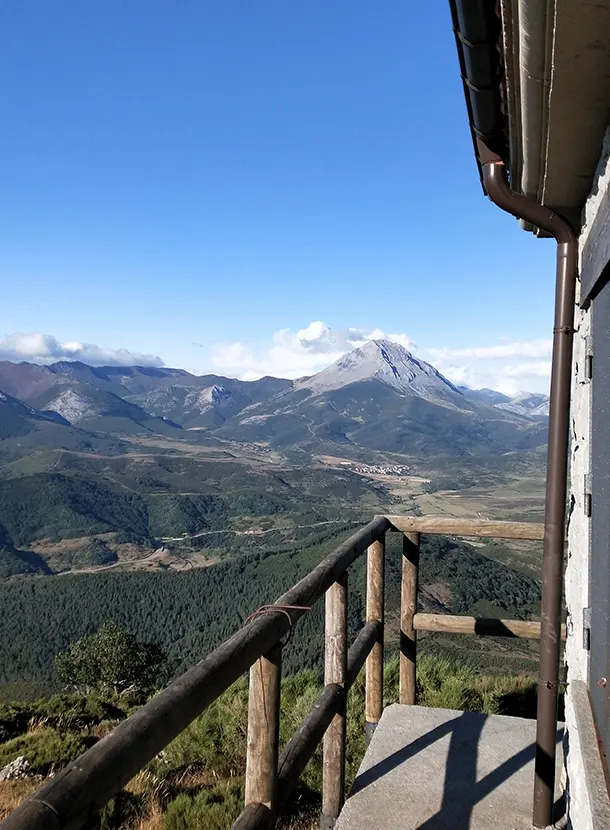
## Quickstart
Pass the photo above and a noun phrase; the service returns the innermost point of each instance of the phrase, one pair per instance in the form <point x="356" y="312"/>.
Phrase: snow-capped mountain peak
<point x="393" y="365"/>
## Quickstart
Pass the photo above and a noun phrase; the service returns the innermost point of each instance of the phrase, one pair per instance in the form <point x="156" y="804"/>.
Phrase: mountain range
<point x="379" y="397"/>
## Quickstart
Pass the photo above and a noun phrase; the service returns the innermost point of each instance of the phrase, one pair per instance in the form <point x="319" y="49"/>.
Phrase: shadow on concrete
<point x="394" y="760"/>
<point x="461" y="790"/>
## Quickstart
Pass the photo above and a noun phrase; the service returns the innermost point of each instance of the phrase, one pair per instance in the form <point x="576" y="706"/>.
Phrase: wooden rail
<point x="74" y="796"/>
<point x="479" y="625"/>
<point x="467" y="527"/>
<point x="300" y="748"/>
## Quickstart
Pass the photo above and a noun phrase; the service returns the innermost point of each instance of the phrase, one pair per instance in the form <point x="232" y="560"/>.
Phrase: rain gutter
<point x="524" y="208"/>
<point x="477" y="30"/>
<point x="478" y="33"/>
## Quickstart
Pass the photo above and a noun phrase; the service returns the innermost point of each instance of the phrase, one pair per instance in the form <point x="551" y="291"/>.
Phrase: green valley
<point x="170" y="507"/>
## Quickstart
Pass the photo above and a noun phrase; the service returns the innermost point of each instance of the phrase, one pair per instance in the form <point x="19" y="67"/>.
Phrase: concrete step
<point x="438" y="769"/>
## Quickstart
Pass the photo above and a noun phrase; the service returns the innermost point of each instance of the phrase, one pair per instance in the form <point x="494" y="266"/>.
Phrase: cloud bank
<point x="296" y="354"/>
<point x="45" y="349"/>
<point x="510" y="367"/>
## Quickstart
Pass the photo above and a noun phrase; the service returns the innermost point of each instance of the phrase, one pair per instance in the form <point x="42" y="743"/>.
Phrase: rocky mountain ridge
<point x="530" y="404"/>
<point x="379" y="396"/>
<point x="391" y="364"/>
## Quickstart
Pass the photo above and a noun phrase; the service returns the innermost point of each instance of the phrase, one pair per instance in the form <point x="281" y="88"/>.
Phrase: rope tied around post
<point x="283" y="609"/>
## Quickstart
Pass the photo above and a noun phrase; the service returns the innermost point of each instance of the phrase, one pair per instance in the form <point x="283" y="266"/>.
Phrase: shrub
<point x="110" y="662"/>
<point x="45" y="748"/>
<point x="62" y="712"/>
<point x="215" y="809"/>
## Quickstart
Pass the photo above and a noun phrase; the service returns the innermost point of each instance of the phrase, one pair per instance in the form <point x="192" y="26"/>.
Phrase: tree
<point x="112" y="661"/>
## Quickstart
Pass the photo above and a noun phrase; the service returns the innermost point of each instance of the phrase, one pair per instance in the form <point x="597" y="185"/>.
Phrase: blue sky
<point x="201" y="180"/>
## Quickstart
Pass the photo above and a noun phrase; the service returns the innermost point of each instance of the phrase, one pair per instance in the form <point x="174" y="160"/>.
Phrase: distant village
<point x="381" y="469"/>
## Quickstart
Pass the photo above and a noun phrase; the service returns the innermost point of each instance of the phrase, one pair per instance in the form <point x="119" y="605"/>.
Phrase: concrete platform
<point x="437" y="769"/>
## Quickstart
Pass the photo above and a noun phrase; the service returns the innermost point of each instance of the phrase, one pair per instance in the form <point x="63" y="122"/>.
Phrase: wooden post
<point x="335" y="669"/>
<point x="408" y="609"/>
<point x="263" y="729"/>
<point x="373" y="705"/>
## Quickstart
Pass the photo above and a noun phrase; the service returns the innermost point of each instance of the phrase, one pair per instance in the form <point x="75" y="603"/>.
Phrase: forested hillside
<point x="50" y="505"/>
<point x="189" y="613"/>
<point x="146" y="499"/>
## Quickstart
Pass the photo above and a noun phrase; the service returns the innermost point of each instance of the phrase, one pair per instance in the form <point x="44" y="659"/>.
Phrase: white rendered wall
<point x="577" y="570"/>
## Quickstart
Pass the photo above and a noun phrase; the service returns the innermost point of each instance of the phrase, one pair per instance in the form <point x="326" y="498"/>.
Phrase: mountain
<point x="390" y="364"/>
<point x="31" y="383"/>
<point x="381" y="397"/>
<point x="70" y="473"/>
<point x="377" y="397"/>
<point x="207" y="401"/>
<point x="24" y="429"/>
<point x="530" y="404"/>
<point x="25" y="381"/>
<point x="117" y="379"/>
<point x="72" y="393"/>
<point x="485" y="396"/>
<point x="98" y="411"/>
<point x="193" y="406"/>
<point x="17" y="419"/>
<point x="169" y="394"/>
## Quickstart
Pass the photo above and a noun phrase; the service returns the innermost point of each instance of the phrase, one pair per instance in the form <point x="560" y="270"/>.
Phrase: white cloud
<point x="508" y="367"/>
<point x="231" y="356"/>
<point x="527" y="348"/>
<point x="478" y="372"/>
<point x="538" y="369"/>
<point x="44" y="348"/>
<point x="294" y="354"/>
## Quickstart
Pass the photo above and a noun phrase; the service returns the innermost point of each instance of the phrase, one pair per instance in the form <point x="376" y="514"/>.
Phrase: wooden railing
<point x="74" y="796"/>
<point x="411" y="621"/>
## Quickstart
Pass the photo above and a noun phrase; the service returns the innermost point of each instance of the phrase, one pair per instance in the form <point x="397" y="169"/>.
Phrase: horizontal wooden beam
<point x="451" y="624"/>
<point x="300" y="748"/>
<point x="448" y="526"/>
<point x="360" y="649"/>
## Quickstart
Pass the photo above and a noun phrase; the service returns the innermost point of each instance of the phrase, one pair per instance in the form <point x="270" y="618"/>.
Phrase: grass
<point x="46" y="749"/>
<point x="197" y="781"/>
<point x="12" y="793"/>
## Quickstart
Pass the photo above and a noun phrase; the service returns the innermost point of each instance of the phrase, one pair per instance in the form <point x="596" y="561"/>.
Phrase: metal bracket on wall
<point x="587" y="496"/>
<point x="586" y="629"/>
<point x="588" y="359"/>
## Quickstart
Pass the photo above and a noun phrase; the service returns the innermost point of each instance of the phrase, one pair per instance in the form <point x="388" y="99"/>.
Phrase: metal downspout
<point x="494" y="176"/>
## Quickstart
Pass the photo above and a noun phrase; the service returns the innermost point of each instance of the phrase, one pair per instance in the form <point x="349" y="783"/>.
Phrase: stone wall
<point x="577" y="570"/>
